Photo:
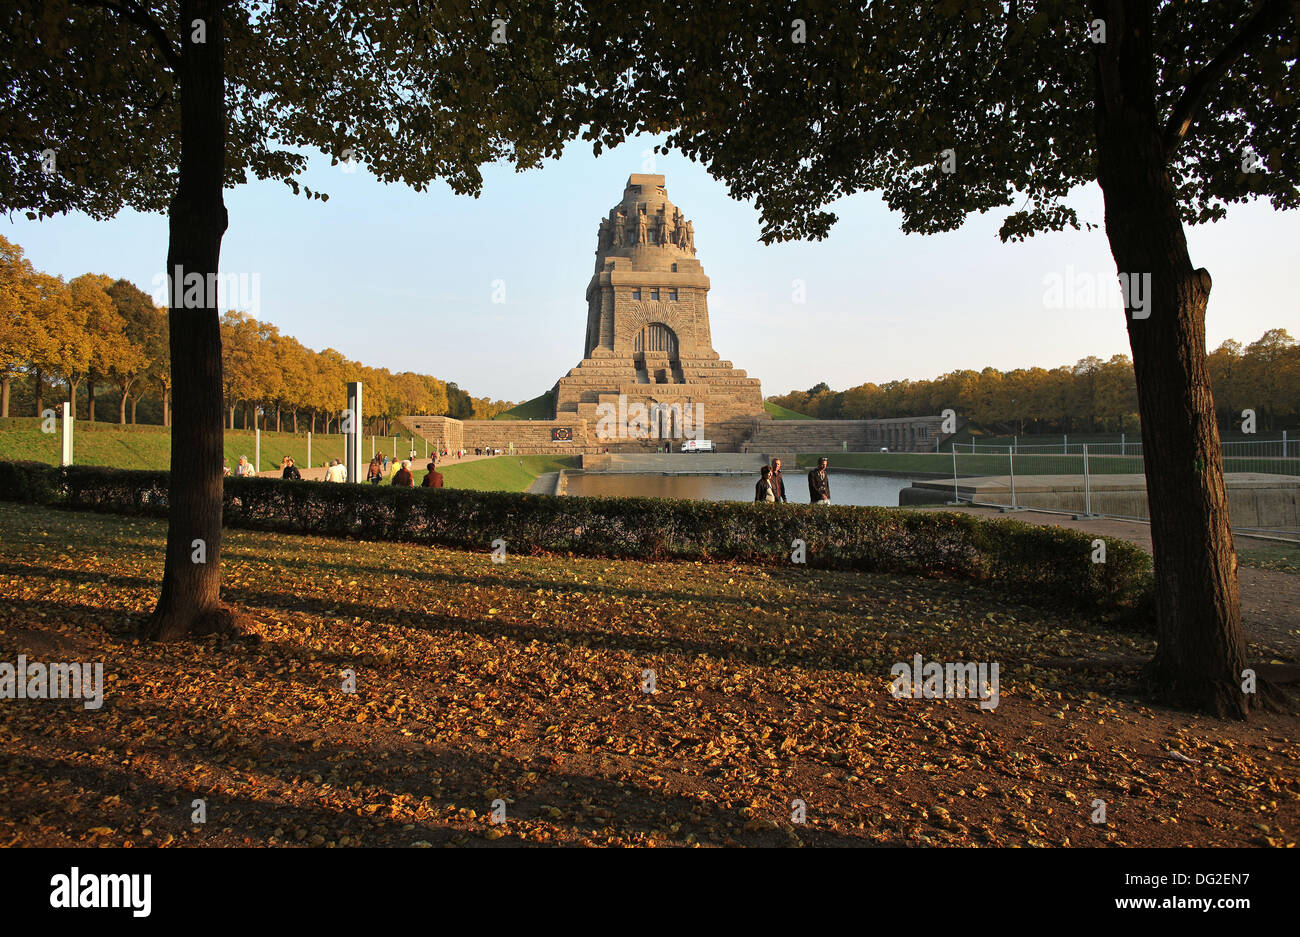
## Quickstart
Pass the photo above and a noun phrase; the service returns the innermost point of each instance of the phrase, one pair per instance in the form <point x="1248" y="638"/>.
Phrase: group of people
<point x="403" y="478"/>
<point x="244" y="469"/>
<point x="771" y="484"/>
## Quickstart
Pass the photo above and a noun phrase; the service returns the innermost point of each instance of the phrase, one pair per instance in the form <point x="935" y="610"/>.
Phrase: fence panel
<point x="1109" y="479"/>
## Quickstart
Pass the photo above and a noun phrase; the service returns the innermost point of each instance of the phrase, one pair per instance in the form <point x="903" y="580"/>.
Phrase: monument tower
<point x="648" y="332"/>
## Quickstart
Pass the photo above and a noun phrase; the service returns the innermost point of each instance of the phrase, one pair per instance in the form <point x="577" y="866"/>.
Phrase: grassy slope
<point x="149" y="447"/>
<point x="539" y="408"/>
<point x="779" y="412"/>
<point x="502" y="473"/>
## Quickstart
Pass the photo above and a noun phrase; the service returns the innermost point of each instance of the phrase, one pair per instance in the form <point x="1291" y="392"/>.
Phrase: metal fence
<point x="1108" y="480"/>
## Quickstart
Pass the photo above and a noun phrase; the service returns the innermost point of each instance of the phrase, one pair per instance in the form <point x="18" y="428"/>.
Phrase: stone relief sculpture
<point x="641" y="239"/>
<point x="661" y="229"/>
<point x="603" y="236"/>
<point x="620" y="225"/>
<point x="688" y="242"/>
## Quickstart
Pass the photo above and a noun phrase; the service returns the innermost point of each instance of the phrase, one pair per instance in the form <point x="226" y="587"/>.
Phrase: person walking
<point x="373" y="474"/>
<point x="763" y="491"/>
<point x="402" y="477"/>
<point x="433" y="479"/>
<point x="778" y="481"/>
<point x="819" y="483"/>
<point x="290" y="472"/>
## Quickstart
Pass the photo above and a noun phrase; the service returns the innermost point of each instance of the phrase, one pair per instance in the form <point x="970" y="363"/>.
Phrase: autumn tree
<point x="23" y="338"/>
<point x="142" y="334"/>
<point x="1175" y="109"/>
<point x="159" y="105"/>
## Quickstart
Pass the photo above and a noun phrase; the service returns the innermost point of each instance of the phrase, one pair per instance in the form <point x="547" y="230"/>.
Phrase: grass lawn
<point x="1284" y="557"/>
<point x="779" y="412"/>
<point x="539" y="408"/>
<point x="501" y="473"/>
<point x="524" y="681"/>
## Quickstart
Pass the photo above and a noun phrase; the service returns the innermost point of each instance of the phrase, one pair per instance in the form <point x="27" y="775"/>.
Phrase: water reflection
<point x="846" y="487"/>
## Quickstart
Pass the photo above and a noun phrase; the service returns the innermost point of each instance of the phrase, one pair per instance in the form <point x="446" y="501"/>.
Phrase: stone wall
<point x="910" y="434"/>
<point x="784" y="437"/>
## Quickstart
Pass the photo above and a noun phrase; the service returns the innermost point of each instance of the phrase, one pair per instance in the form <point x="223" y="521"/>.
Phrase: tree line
<point x="1091" y="396"/>
<point x="106" y="335"/>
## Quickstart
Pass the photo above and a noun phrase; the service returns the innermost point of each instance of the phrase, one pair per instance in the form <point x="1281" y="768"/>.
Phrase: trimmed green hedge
<point x="1049" y="563"/>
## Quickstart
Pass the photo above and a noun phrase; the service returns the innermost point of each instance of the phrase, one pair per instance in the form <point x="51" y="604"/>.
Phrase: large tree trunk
<point x="295" y="422"/>
<point x="38" y="391"/>
<point x="166" y="402"/>
<point x="72" y="396"/>
<point x="190" y="599"/>
<point x="1201" y="651"/>
<point x="90" y="397"/>
<point x="134" y="400"/>
<point x="4" y="396"/>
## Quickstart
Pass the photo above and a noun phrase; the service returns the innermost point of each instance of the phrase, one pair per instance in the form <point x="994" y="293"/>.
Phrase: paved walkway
<point x="318" y="473"/>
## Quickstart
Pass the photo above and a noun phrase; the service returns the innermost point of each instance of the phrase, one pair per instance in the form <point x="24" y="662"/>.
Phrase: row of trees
<point x="1091" y="396"/>
<point x="108" y="336"/>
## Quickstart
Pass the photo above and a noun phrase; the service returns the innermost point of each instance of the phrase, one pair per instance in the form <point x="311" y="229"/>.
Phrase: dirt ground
<point x="594" y="702"/>
<point x="1270" y="599"/>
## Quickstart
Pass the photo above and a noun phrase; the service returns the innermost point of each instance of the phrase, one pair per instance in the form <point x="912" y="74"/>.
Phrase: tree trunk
<point x="167" y="413"/>
<point x="121" y="410"/>
<point x="277" y="419"/>
<point x="90" y="397"/>
<point x="1201" y="651"/>
<point x="4" y="396"/>
<point x="191" y="591"/>
<point x="38" y="391"/>
<point x="134" y="400"/>
<point x="232" y="416"/>
<point x="295" y="422"/>
<point x="72" y="396"/>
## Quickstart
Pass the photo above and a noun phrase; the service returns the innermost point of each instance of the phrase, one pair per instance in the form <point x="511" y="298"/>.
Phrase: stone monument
<point x="648" y="338"/>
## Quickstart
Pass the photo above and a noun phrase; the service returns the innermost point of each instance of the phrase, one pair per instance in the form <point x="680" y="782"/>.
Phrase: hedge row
<point x="1035" y="562"/>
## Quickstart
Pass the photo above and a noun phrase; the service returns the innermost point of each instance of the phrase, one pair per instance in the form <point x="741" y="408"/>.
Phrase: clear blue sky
<point x="403" y="280"/>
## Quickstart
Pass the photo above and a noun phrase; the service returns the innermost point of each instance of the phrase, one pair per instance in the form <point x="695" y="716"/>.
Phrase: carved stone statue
<point x="620" y="224"/>
<point x="661" y="229"/>
<point x="603" y="237"/>
<point x="679" y="228"/>
<point x="641" y="238"/>
<point x="688" y="244"/>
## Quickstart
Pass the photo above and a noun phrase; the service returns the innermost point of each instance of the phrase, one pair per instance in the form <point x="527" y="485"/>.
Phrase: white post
<point x="1011" y="467"/>
<point x="1121" y="443"/>
<point x="257" y="446"/>
<point x="1087" y="485"/>
<point x="352" y="433"/>
<point x="426" y="447"/>
<point x="1065" y="446"/>
<point x="1015" y="441"/>
<point x="1284" y="444"/>
<point x="308" y="448"/>
<point x="955" y="496"/>
<point x="68" y="419"/>
<point x="394" y="448"/>
<point x="372" y="445"/>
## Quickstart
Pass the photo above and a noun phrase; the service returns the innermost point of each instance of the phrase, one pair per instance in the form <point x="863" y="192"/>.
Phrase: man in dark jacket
<point x="290" y="472"/>
<point x="778" y="481"/>
<point x="402" y="478"/>
<point x="819" y="483"/>
<point x="433" y="479"/>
